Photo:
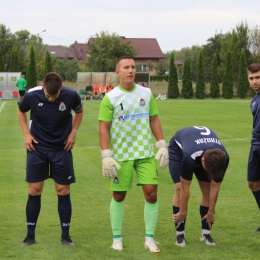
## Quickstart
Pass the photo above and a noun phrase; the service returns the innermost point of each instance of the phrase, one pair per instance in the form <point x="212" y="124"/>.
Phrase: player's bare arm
<point x="156" y="127"/>
<point x="104" y="134"/>
<point x="213" y="197"/>
<point x="184" y="198"/>
<point x="71" y="139"/>
<point x="28" y="138"/>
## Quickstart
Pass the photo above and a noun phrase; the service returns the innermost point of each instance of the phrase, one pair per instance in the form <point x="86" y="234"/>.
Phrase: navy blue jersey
<point x="194" y="141"/>
<point x="51" y="122"/>
<point x="255" y="108"/>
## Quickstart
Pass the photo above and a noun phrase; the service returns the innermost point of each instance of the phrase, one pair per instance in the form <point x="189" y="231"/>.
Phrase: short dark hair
<point x="253" y="68"/>
<point x="52" y="83"/>
<point x="124" y="58"/>
<point x="215" y="163"/>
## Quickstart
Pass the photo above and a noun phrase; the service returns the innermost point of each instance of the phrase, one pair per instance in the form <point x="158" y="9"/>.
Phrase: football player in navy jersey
<point x="48" y="141"/>
<point x="253" y="171"/>
<point x="198" y="150"/>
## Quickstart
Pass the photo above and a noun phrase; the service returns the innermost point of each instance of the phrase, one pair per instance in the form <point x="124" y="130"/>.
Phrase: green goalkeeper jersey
<point x="129" y="112"/>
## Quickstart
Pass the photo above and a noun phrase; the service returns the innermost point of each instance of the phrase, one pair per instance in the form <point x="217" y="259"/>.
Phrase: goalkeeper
<point x="196" y="149"/>
<point x="128" y="118"/>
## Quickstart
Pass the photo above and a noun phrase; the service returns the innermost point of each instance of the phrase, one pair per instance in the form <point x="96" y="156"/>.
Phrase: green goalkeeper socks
<point x="116" y="217"/>
<point x="150" y="217"/>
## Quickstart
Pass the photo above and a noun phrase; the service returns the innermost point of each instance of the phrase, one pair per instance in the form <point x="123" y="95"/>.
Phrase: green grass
<point x="236" y="213"/>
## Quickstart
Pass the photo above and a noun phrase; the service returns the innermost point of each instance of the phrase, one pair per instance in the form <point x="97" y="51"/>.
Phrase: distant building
<point x="147" y="49"/>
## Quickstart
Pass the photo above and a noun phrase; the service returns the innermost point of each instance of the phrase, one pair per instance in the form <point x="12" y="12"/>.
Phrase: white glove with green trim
<point x="162" y="153"/>
<point x="109" y="164"/>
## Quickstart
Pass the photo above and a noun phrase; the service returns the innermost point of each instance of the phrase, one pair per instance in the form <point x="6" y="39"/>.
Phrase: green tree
<point x="187" y="91"/>
<point x="150" y="65"/>
<point x="214" y="84"/>
<point x="31" y="74"/>
<point x="243" y="85"/>
<point x="161" y="67"/>
<point x="48" y="63"/>
<point x="105" y="49"/>
<point x="173" y="90"/>
<point x="67" y="69"/>
<point x="12" y="61"/>
<point x="200" y="84"/>
<point x="227" y="87"/>
<point x="2" y="64"/>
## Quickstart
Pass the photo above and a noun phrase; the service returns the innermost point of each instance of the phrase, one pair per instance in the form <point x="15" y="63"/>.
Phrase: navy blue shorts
<point x="175" y="162"/>
<point x="253" y="168"/>
<point x="42" y="164"/>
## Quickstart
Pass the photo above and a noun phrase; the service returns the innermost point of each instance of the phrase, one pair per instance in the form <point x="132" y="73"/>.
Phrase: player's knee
<point x="253" y="185"/>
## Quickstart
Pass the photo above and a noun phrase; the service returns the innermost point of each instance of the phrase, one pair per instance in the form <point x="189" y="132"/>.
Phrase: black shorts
<point x="21" y="93"/>
<point x="42" y="164"/>
<point x="175" y="164"/>
<point x="253" y="168"/>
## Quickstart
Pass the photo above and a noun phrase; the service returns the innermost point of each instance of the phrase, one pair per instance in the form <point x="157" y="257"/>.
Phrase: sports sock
<point x="257" y="197"/>
<point x="150" y="217"/>
<point x="204" y="223"/>
<point x="65" y="211"/>
<point x="116" y="217"/>
<point x="181" y="229"/>
<point x="33" y="208"/>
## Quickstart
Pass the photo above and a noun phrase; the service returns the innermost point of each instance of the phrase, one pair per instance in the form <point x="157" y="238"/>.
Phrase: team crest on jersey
<point x="142" y="102"/>
<point x="62" y="107"/>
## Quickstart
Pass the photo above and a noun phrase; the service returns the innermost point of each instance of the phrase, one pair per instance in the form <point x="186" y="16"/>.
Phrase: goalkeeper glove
<point x="109" y="164"/>
<point x="162" y="153"/>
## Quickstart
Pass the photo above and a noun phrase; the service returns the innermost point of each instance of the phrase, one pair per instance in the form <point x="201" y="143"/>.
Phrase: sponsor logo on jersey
<point x="142" y="102"/>
<point x="62" y="107"/>
<point x="121" y="118"/>
<point x="40" y="104"/>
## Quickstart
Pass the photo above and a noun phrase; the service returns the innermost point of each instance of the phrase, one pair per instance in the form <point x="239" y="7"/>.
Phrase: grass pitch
<point x="236" y="212"/>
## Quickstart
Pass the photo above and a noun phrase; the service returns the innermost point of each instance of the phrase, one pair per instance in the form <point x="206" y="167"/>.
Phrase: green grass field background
<point x="236" y="213"/>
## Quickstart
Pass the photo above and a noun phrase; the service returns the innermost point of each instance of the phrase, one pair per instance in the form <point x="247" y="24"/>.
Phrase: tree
<point x="173" y="90"/>
<point x="214" y="85"/>
<point x="187" y="91"/>
<point x="2" y="64"/>
<point x="200" y="84"/>
<point x="105" y="50"/>
<point x="31" y="74"/>
<point x="243" y="85"/>
<point x="14" y="63"/>
<point x="150" y="65"/>
<point x="48" y="63"/>
<point x="161" y="67"/>
<point x="227" y="88"/>
<point x="67" y="69"/>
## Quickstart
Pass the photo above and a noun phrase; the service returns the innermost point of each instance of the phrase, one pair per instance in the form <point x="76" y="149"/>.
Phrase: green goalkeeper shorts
<point x="145" y="170"/>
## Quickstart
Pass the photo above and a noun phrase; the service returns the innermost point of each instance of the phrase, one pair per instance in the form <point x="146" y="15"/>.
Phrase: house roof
<point x="147" y="48"/>
<point x="178" y="62"/>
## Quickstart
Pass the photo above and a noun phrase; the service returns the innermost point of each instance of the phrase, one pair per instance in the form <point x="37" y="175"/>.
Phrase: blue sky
<point x="174" y="25"/>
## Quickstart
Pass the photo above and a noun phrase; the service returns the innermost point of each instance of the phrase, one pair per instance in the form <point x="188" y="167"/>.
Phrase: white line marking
<point x="2" y="106"/>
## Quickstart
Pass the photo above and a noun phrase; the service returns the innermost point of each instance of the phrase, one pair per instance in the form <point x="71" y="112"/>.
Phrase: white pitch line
<point x="2" y="106"/>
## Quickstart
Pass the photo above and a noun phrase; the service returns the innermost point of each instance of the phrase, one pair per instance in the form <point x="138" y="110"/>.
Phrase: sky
<point x="174" y="25"/>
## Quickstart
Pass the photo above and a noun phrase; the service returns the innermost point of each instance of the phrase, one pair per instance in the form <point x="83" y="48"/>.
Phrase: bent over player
<point x="48" y="141"/>
<point x="128" y="117"/>
<point x="198" y="150"/>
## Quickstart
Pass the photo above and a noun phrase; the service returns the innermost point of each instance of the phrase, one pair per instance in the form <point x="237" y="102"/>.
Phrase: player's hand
<point x="179" y="218"/>
<point x="70" y="141"/>
<point x="210" y="218"/>
<point x="162" y="153"/>
<point x="28" y="142"/>
<point x="109" y="164"/>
